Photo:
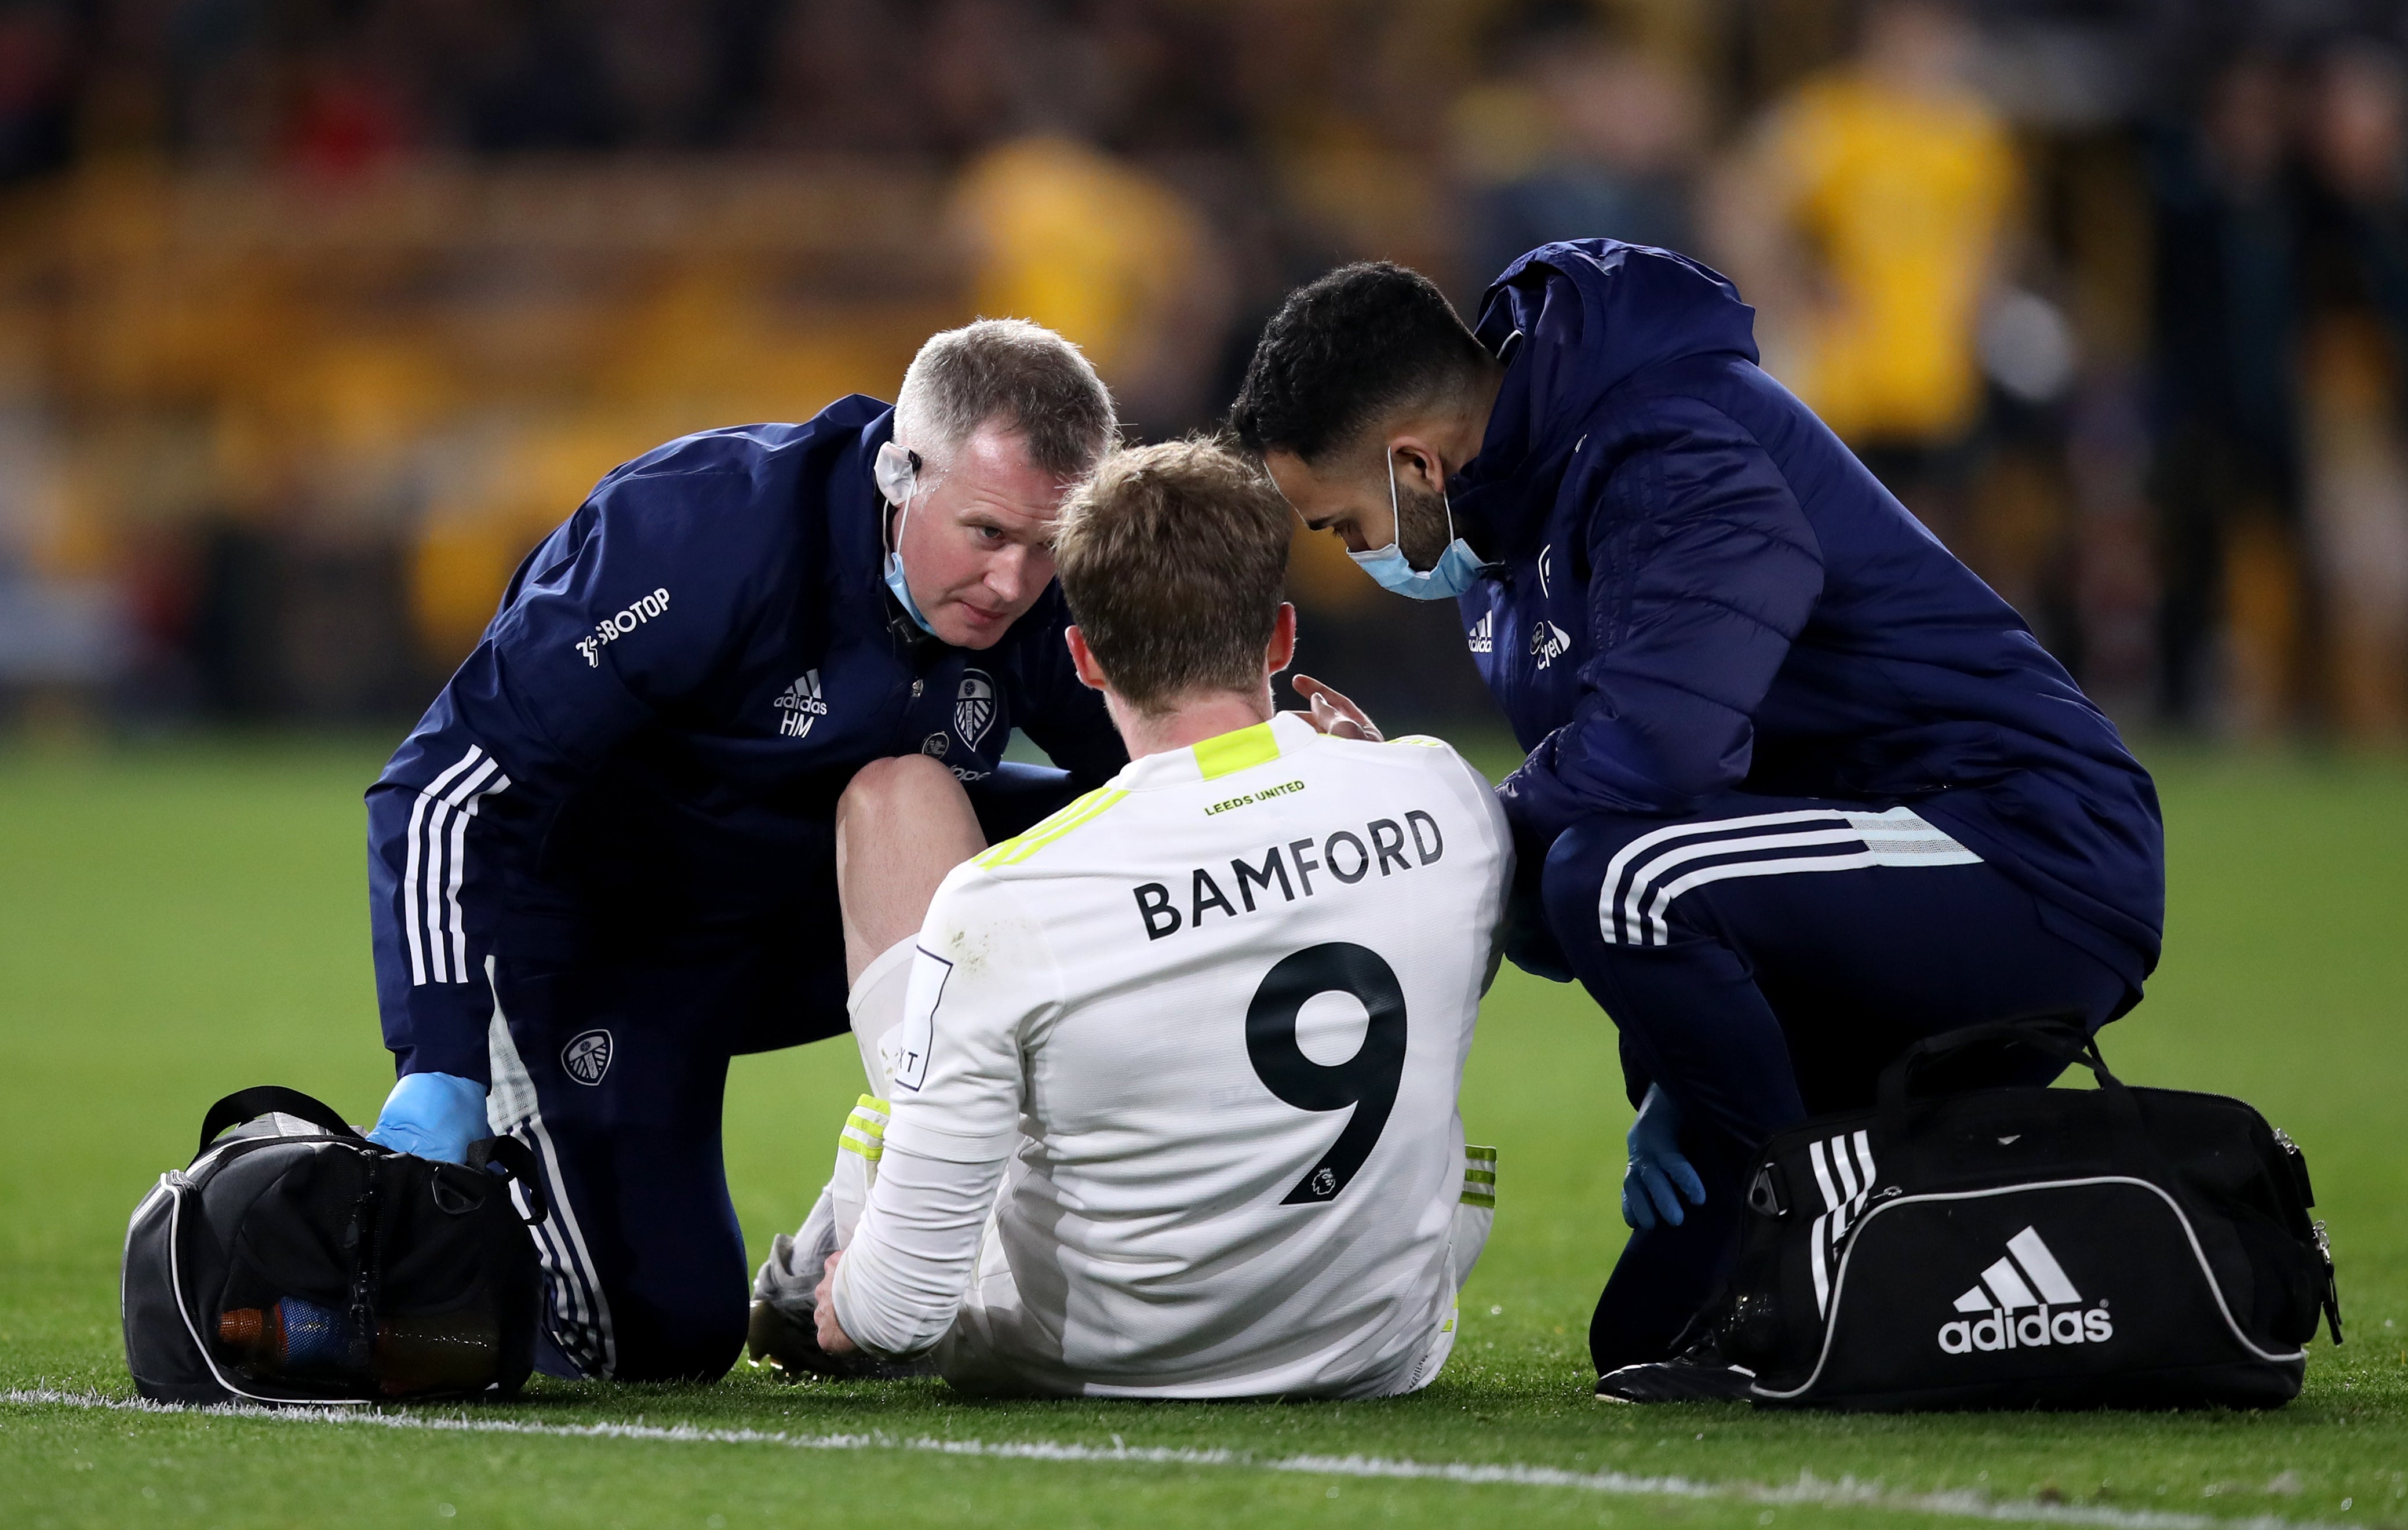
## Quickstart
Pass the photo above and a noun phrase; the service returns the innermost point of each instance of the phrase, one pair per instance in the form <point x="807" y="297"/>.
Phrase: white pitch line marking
<point x="1808" y="1490"/>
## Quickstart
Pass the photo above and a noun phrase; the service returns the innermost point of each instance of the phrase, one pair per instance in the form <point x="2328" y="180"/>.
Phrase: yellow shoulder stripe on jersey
<point x="996" y="854"/>
<point x="1230" y="752"/>
<point x="1423" y="739"/>
<point x="1080" y="813"/>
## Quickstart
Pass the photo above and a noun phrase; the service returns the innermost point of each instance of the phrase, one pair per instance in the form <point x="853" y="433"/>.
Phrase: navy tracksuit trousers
<point x="1764" y="959"/>
<point x="616" y="1072"/>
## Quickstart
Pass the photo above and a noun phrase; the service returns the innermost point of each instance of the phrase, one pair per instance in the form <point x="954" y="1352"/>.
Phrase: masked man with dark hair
<point x="1800" y="791"/>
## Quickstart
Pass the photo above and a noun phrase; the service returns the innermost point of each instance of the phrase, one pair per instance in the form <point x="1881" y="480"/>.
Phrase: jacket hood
<point x="1589" y="315"/>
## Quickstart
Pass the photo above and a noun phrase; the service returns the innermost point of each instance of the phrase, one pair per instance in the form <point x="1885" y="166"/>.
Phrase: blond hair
<point x="1174" y="560"/>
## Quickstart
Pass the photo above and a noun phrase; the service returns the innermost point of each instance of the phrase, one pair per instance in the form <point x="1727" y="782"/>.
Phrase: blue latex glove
<point x="433" y="1115"/>
<point x="1657" y="1170"/>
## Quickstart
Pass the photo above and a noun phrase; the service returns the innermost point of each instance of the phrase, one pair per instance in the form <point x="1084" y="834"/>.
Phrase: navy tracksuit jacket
<point x="1801" y="787"/>
<point x="603" y="863"/>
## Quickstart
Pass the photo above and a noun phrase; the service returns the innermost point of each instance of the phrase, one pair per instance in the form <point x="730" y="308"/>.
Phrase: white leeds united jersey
<point x="1225" y="1001"/>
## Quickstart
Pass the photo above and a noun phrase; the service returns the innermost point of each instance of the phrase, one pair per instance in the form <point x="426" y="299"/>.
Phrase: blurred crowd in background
<point x="316" y="314"/>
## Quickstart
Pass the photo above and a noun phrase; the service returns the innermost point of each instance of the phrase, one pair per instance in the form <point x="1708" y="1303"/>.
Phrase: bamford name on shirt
<point x="1386" y="845"/>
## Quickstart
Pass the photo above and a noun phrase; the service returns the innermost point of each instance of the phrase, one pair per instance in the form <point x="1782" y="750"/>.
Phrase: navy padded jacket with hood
<point x="1697" y="590"/>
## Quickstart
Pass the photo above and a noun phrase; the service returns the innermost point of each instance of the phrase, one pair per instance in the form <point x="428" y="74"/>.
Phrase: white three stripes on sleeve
<point x="435" y="863"/>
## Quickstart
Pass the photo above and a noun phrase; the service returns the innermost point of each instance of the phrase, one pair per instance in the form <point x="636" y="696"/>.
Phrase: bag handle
<point x="513" y="1158"/>
<point x="265" y="1099"/>
<point x="2061" y="1034"/>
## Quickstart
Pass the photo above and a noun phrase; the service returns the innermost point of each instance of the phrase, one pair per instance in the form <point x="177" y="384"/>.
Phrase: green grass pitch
<point x="178" y="922"/>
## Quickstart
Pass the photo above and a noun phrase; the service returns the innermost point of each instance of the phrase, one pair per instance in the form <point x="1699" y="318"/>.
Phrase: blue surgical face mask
<point x="1454" y="572"/>
<point x="897" y="472"/>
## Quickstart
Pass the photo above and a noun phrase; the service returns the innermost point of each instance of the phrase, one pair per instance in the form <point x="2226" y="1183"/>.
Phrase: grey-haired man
<point x="611" y="856"/>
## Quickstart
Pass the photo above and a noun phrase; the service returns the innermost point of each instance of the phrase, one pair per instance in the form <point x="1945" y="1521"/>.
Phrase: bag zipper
<point x="2333" y="1285"/>
<point x="2297" y="1162"/>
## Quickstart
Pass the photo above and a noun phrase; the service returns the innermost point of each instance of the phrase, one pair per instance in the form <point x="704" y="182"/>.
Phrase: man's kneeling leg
<point x="600" y="1076"/>
<point x="1767" y="959"/>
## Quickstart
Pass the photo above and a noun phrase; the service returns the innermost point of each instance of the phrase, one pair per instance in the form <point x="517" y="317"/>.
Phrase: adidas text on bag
<point x="2027" y="1276"/>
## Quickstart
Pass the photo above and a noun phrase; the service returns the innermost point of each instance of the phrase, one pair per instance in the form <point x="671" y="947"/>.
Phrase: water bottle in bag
<point x="300" y="1341"/>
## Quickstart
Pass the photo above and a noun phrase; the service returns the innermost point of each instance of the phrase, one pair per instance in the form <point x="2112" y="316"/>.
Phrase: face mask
<point x="896" y="471"/>
<point x="1453" y="573"/>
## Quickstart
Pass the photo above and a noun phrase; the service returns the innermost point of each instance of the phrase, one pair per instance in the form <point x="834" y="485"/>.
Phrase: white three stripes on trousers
<point x="578" y="1313"/>
<point x="434" y="863"/>
<point x="1645" y="876"/>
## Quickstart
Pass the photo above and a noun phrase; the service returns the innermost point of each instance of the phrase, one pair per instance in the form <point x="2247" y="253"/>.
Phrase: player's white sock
<point x="789" y="1278"/>
<point x="876" y="1007"/>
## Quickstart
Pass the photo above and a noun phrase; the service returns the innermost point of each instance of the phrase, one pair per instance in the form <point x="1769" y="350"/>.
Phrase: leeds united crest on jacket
<point x="974" y="706"/>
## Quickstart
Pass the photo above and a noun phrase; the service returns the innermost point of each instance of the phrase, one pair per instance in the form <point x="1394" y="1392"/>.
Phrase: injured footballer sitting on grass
<point x="1166" y="1087"/>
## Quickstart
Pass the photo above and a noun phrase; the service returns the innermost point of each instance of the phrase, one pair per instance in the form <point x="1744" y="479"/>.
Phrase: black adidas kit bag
<point x="296" y="1262"/>
<point x="2028" y="1247"/>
